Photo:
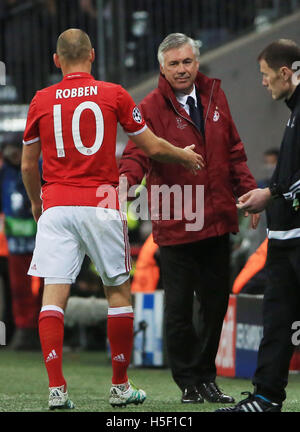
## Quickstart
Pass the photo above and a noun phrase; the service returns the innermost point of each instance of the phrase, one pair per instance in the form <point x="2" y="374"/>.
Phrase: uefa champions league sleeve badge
<point x="137" y="116"/>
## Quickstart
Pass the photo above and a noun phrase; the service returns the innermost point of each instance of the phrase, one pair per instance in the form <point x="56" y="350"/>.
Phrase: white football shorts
<point x="65" y="234"/>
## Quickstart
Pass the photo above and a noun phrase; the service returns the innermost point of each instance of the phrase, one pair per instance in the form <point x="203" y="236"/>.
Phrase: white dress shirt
<point x="182" y="99"/>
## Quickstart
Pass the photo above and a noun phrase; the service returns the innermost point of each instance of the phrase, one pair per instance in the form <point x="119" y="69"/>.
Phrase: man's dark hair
<point x="283" y="52"/>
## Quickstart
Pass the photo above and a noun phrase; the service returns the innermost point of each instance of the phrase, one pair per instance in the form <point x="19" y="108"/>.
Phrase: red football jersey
<point x="76" y="122"/>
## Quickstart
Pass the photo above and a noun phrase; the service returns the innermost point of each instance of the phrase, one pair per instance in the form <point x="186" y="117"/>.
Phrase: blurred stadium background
<point x="126" y="35"/>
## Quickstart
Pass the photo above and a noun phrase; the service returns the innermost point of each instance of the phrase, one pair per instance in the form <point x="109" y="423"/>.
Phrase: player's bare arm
<point x="31" y="176"/>
<point x="161" y="150"/>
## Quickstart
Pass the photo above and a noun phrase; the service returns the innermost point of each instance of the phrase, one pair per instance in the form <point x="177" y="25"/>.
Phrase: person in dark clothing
<point x="20" y="230"/>
<point x="281" y="199"/>
<point x="186" y="107"/>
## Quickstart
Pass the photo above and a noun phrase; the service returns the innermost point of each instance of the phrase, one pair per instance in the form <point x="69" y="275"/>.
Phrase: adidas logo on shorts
<point x="52" y="355"/>
<point x="33" y="267"/>
<point x="120" y="358"/>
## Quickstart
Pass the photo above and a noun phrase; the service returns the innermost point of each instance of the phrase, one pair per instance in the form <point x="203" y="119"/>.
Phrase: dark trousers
<point x="201" y="268"/>
<point x="25" y="305"/>
<point x="281" y="308"/>
<point x="7" y="316"/>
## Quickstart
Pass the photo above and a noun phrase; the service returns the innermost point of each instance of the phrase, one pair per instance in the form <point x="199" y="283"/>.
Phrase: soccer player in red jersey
<point x="74" y="125"/>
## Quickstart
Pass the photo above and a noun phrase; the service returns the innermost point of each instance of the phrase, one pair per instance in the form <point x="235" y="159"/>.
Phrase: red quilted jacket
<point x="225" y="177"/>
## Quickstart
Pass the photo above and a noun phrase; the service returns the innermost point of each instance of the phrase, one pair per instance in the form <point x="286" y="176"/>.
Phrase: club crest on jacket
<point x="216" y="115"/>
<point x="181" y="124"/>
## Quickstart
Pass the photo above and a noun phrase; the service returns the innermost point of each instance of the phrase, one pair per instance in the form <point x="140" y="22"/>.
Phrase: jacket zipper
<point x="208" y="108"/>
<point x="209" y="103"/>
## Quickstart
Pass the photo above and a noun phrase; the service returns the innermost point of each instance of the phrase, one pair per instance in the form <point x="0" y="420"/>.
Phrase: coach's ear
<point x="56" y="61"/>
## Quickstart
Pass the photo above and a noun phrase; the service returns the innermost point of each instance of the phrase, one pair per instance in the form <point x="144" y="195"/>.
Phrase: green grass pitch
<point x="24" y="385"/>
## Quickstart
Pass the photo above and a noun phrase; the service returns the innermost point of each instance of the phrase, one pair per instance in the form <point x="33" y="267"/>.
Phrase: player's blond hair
<point x="74" y="45"/>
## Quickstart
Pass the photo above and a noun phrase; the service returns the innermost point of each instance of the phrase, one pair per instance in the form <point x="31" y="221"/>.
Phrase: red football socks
<point x="120" y="336"/>
<point x="51" y="329"/>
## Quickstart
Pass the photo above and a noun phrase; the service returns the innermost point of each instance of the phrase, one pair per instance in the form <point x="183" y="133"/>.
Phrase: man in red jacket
<point x="190" y="107"/>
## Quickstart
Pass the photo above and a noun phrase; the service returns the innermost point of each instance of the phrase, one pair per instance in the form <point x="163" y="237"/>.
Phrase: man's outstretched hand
<point x="254" y="201"/>
<point x="194" y="161"/>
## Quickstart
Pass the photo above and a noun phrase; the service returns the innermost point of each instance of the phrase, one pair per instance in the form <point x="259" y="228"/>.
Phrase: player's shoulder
<point x="116" y="92"/>
<point x="107" y="84"/>
<point x="41" y="95"/>
<point x="110" y="87"/>
<point x="46" y="91"/>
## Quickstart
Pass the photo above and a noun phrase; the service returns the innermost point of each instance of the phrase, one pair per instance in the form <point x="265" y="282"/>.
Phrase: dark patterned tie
<point x="195" y="113"/>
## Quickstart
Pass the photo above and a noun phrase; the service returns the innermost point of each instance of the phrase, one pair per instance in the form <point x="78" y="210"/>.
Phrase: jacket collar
<point x="182" y="98"/>
<point x="293" y="100"/>
<point x="204" y="86"/>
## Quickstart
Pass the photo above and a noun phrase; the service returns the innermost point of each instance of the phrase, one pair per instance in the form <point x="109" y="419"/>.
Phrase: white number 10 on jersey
<point x="87" y="151"/>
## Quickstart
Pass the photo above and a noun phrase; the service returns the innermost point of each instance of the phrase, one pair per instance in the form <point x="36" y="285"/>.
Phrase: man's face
<point x="180" y="68"/>
<point x="276" y="81"/>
